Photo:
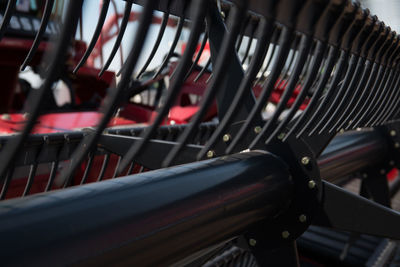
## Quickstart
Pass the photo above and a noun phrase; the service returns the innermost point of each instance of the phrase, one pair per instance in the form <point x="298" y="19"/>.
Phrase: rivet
<point x="341" y="130"/>
<point x="396" y="145"/>
<point x="6" y="116"/>
<point x="257" y="129"/>
<point x="285" y="234"/>
<point x="382" y="171"/>
<point x="305" y="160"/>
<point x="281" y="136"/>
<point x="302" y="218"/>
<point x="311" y="184"/>
<point x="392" y="133"/>
<point x="226" y="137"/>
<point x="210" y="154"/>
<point x="252" y="242"/>
<point x="364" y="175"/>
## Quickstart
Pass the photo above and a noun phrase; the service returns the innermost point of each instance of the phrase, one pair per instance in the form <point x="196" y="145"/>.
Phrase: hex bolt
<point x="311" y="184"/>
<point x="285" y="234"/>
<point x="281" y="136"/>
<point x="396" y="145"/>
<point x="252" y="242"/>
<point x="305" y="160"/>
<point x="226" y="138"/>
<point x="210" y="154"/>
<point x="302" y="218"/>
<point x="392" y="133"/>
<point x="257" y="129"/>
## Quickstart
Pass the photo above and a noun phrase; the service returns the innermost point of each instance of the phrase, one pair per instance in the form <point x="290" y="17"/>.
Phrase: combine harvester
<point x="278" y="156"/>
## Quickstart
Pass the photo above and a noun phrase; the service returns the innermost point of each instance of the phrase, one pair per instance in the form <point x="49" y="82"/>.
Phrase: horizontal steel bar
<point x="150" y="219"/>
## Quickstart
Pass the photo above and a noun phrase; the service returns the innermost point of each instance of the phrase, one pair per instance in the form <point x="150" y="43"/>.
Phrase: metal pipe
<point x="351" y="152"/>
<point x="150" y="219"/>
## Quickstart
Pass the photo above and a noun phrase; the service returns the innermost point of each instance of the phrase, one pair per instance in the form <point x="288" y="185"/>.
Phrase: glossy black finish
<point x="148" y="219"/>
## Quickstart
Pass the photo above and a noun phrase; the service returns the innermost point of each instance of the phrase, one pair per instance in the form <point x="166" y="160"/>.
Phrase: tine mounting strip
<point x="124" y="23"/>
<point x="199" y="9"/>
<point x="250" y="41"/>
<point x="330" y="62"/>
<point x="227" y="48"/>
<point x="156" y="44"/>
<point x="36" y="101"/>
<point x="39" y="35"/>
<point x="88" y="167"/>
<point x="305" y="45"/>
<point x="7" y="17"/>
<point x="104" y="167"/>
<point x="110" y="103"/>
<point x="198" y="56"/>
<point x="203" y="70"/>
<point x="96" y="34"/>
<point x="315" y="66"/>
<point x="178" y="32"/>
<point x="7" y="182"/>
<point x="284" y="47"/>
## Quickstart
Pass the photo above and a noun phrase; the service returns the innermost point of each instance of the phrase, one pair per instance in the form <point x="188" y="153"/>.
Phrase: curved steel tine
<point x="88" y="167"/>
<point x="95" y="36"/>
<point x="110" y="103"/>
<point x="39" y="35"/>
<point x="199" y="10"/>
<point x="31" y="177"/>
<point x="7" y="17"/>
<point x="156" y="44"/>
<point x="122" y="28"/>
<point x="202" y="46"/>
<point x="203" y="70"/>
<point x="103" y="167"/>
<point x="274" y="41"/>
<point x="250" y="41"/>
<point x="7" y="182"/>
<point x="115" y="174"/>
<point x="178" y="32"/>
<point x="393" y="96"/>
<point x="52" y="176"/>
<point x="313" y="109"/>
<point x="263" y="38"/>
<point x="284" y="47"/>
<point x="310" y="77"/>
<point x="290" y="65"/>
<point x="303" y="52"/>
<point x="36" y="101"/>
<point x="242" y="32"/>
<point x="391" y="113"/>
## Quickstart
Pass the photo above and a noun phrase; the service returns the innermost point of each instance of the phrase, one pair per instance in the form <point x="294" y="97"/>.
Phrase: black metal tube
<point x="150" y="219"/>
<point x="351" y="152"/>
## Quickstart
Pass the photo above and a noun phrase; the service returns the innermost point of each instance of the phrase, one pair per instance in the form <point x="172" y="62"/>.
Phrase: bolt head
<point x="396" y="145"/>
<point x="302" y="218"/>
<point x="285" y="234"/>
<point x="341" y="130"/>
<point x="252" y="242"/>
<point x="312" y="184"/>
<point x="305" y="160"/>
<point x="226" y="137"/>
<point x="281" y="136"/>
<point x="392" y="133"/>
<point x="364" y="175"/>
<point x="257" y="129"/>
<point x="382" y="171"/>
<point x="210" y="154"/>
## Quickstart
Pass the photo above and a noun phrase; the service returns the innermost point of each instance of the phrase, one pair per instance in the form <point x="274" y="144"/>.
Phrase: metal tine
<point x="263" y="33"/>
<point x="118" y="40"/>
<point x="95" y="36"/>
<point x="116" y="167"/>
<point x="303" y="51"/>
<point x="52" y="176"/>
<point x="331" y="112"/>
<point x="203" y="70"/>
<point x="373" y="55"/>
<point x="292" y="58"/>
<point x="393" y="111"/>
<point x="31" y="177"/>
<point x="350" y="92"/>
<point x="39" y="35"/>
<point x="7" y="182"/>
<point x="254" y="26"/>
<point x="274" y="41"/>
<point x="379" y="111"/>
<point x="199" y="10"/>
<point x="360" y="92"/>
<point x="7" y="17"/>
<point x="130" y="169"/>
<point x="269" y="85"/>
<point x="110" y="103"/>
<point x="88" y="167"/>
<point x="157" y="42"/>
<point x="35" y="102"/>
<point x="202" y="46"/>
<point x="103" y="167"/>
<point x="380" y="80"/>
<point x="178" y="32"/>
<point x="242" y="32"/>
<point x="392" y="99"/>
<point x="309" y="80"/>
